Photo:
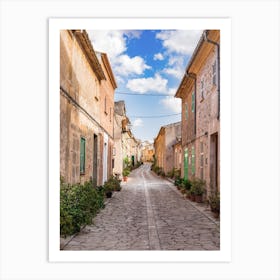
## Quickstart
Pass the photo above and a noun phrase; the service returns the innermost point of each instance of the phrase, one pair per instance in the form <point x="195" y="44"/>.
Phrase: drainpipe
<point x="218" y="58"/>
<point x="193" y="76"/>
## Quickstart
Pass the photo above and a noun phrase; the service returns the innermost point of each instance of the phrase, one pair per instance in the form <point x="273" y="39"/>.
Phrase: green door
<point x="186" y="164"/>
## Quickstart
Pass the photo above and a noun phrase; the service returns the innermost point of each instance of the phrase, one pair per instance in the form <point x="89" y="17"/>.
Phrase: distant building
<point x="163" y="144"/>
<point x="86" y="130"/>
<point x="126" y="146"/>
<point x="147" y="151"/>
<point x="200" y="94"/>
<point x="177" y="154"/>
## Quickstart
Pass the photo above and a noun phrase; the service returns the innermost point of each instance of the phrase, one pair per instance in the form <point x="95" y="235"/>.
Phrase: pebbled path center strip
<point x="152" y="228"/>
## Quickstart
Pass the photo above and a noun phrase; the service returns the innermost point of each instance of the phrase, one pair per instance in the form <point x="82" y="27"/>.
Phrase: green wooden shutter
<point x="193" y="160"/>
<point x="193" y="104"/>
<point x="186" y="164"/>
<point x="82" y="155"/>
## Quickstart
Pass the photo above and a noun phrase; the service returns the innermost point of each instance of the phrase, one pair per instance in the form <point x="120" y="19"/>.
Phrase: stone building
<point x="86" y="135"/>
<point x="125" y="144"/>
<point x="200" y="94"/>
<point x="177" y="154"/>
<point x="107" y="88"/>
<point x="163" y="144"/>
<point x="147" y="151"/>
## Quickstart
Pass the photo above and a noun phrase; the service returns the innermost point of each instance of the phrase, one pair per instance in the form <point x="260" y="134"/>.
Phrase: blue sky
<point x="147" y="62"/>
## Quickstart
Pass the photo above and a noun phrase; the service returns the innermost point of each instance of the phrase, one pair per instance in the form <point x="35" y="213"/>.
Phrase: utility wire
<point x="143" y="94"/>
<point x="152" y="117"/>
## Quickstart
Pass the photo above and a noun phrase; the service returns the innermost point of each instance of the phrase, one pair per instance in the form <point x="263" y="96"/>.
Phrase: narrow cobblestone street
<point x="148" y="214"/>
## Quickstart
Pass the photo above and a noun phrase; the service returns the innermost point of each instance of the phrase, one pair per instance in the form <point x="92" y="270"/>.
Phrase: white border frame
<point x="224" y="254"/>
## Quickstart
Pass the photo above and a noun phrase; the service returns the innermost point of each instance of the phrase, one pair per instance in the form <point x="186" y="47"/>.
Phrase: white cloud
<point x="179" y="41"/>
<point x="132" y="33"/>
<point x="113" y="42"/>
<point x="125" y="65"/>
<point x="158" y="56"/>
<point x="172" y="91"/>
<point x="177" y="72"/>
<point x="172" y="103"/>
<point x="137" y="122"/>
<point x="153" y="84"/>
<point x="177" y="66"/>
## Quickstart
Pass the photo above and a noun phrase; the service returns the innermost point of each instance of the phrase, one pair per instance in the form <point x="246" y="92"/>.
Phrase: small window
<point x="193" y="101"/>
<point x="110" y="114"/>
<point x="201" y="161"/>
<point x="96" y="89"/>
<point x="105" y="105"/>
<point x="202" y="89"/>
<point x="186" y="111"/>
<point x="82" y="155"/>
<point x="193" y="160"/>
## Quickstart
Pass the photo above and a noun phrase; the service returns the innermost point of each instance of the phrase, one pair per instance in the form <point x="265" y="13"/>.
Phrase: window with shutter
<point x="201" y="161"/>
<point x="193" y="160"/>
<point x="82" y="155"/>
<point x="193" y="101"/>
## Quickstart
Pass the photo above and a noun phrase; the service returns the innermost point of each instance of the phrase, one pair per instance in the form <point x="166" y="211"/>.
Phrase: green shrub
<point x="78" y="205"/>
<point x="113" y="184"/>
<point x="197" y="186"/>
<point x="214" y="202"/>
<point x="187" y="184"/>
<point x="126" y="172"/>
<point x="178" y="181"/>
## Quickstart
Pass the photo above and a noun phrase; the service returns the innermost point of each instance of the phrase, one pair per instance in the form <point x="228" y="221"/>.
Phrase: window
<point x="186" y="111"/>
<point x="193" y="101"/>
<point x="202" y="89"/>
<point x="201" y="161"/>
<point x="214" y="73"/>
<point x="82" y="155"/>
<point x="193" y="160"/>
<point x="110" y="114"/>
<point x="96" y="89"/>
<point x="105" y="105"/>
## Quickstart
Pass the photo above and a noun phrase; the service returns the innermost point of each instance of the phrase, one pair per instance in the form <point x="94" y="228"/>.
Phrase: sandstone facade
<point x="163" y="144"/>
<point x="125" y="144"/>
<point x="200" y="94"/>
<point x="83" y="130"/>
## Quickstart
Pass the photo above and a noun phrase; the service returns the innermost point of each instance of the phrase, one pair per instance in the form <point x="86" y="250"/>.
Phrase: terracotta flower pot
<point x="109" y="194"/>
<point x="125" y="179"/>
<point x="216" y="214"/>
<point x="198" y="198"/>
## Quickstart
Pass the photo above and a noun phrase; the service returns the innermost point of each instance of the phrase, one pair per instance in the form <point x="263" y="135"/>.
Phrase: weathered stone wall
<point x="177" y="151"/>
<point x="79" y="113"/>
<point x="160" y="148"/>
<point x="73" y="126"/>
<point x="207" y="121"/>
<point x="172" y="131"/>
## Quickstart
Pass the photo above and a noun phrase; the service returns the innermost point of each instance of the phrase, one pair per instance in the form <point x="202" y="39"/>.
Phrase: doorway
<point x="214" y="162"/>
<point x="94" y="171"/>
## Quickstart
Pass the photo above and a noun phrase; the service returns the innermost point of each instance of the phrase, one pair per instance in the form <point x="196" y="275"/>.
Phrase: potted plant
<point x="125" y="173"/>
<point x="108" y="189"/>
<point x="198" y="189"/>
<point x="214" y="202"/>
<point x="115" y="183"/>
<point x="192" y="194"/>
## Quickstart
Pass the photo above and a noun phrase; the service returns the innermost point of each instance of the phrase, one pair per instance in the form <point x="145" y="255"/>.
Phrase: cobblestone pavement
<point x="149" y="214"/>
